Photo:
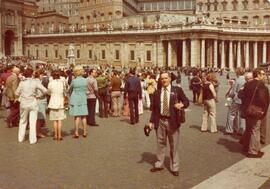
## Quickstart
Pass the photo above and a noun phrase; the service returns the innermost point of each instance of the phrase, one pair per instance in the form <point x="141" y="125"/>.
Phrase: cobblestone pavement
<point x="116" y="155"/>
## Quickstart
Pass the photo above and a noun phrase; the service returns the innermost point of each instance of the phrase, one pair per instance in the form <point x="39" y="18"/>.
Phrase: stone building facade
<point x="64" y="7"/>
<point x="146" y="33"/>
<point x="256" y="12"/>
<point x="13" y="15"/>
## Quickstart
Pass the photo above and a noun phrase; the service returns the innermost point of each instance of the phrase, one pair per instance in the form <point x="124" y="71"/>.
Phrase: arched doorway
<point x="9" y="42"/>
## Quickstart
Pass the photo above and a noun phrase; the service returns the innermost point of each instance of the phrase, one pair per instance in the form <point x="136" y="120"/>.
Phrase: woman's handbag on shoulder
<point x="253" y="110"/>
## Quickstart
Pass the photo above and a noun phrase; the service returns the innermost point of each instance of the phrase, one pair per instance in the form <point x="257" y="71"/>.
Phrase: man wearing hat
<point x="166" y="120"/>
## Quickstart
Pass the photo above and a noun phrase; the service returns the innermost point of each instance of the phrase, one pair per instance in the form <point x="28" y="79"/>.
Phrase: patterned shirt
<point x="91" y="87"/>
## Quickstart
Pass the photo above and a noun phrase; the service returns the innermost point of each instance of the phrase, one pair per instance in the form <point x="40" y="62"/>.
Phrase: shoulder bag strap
<point x="253" y="94"/>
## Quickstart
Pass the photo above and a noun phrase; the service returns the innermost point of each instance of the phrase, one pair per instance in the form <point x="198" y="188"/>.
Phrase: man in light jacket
<point x="27" y="93"/>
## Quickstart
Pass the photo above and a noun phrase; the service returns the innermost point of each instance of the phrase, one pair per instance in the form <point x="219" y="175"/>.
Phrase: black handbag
<point x="182" y="116"/>
<point x="253" y="110"/>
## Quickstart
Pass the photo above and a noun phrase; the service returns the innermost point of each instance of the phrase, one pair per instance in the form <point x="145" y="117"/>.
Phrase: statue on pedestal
<point x="71" y="55"/>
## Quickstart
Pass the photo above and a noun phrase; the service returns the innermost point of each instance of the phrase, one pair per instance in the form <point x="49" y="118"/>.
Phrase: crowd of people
<point x="30" y="95"/>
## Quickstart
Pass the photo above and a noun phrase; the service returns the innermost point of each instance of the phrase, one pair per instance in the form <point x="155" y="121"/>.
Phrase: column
<point x="18" y="33"/>
<point x="160" y="54"/>
<point x="184" y="54"/>
<point x="264" y="52"/>
<point x="154" y="58"/>
<point x="1" y="36"/>
<point x="203" y="53"/>
<point x="124" y="54"/>
<point x="231" y="55"/>
<point x="215" y="53"/>
<point x="222" y="54"/>
<point x="142" y="54"/>
<point x="169" y="54"/>
<point x="238" y="54"/>
<point x="195" y="52"/>
<point x="247" y="55"/>
<point x="255" y="48"/>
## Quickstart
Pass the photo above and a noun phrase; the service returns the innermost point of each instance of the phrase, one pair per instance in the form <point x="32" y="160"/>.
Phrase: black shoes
<point x="175" y="173"/>
<point x="155" y="169"/>
<point x="94" y="124"/>
<point x="226" y="133"/>
<point x="259" y="155"/>
<point x="262" y="142"/>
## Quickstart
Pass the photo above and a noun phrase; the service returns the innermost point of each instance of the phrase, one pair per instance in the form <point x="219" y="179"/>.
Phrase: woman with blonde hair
<point x="78" y="100"/>
<point x="57" y="90"/>
<point x="209" y="96"/>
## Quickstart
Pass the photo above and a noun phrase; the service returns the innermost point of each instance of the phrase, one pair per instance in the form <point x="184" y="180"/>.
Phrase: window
<point x="181" y="5"/>
<point x="174" y="5"/>
<point x="200" y="7"/>
<point x="161" y="6"/>
<point x="56" y="53"/>
<point x="245" y="4"/>
<point x="46" y="53"/>
<point x="266" y="20"/>
<point x="90" y="54"/>
<point x="148" y="55"/>
<point x="37" y="53"/>
<point x="78" y="53"/>
<point x="256" y="20"/>
<point x="215" y="5"/>
<point x="234" y="3"/>
<point x="66" y="53"/>
<point x="28" y="53"/>
<point x="132" y="55"/>
<point x="167" y="6"/>
<point x="224" y="5"/>
<point x="256" y="4"/>
<point x="154" y="6"/>
<point x="117" y="55"/>
<point x="103" y="54"/>
<point x="147" y="6"/>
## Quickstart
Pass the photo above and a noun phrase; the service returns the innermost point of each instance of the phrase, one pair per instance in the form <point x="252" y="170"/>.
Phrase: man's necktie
<point x="165" y="111"/>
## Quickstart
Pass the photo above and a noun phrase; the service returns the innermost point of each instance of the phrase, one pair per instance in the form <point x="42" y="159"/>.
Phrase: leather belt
<point x="165" y="117"/>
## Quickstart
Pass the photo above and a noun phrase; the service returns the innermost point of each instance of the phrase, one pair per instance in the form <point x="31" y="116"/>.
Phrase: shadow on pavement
<point x="232" y="146"/>
<point x="219" y="128"/>
<point x="150" y="158"/>
<point x="125" y="120"/>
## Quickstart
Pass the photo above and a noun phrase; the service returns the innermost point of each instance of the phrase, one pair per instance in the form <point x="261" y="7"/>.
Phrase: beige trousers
<point x="209" y="115"/>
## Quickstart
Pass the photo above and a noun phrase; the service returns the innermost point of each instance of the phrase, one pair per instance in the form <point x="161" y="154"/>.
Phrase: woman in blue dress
<point x="78" y="100"/>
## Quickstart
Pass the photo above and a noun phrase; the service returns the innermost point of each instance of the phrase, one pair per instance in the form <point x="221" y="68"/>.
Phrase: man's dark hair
<point x="132" y="71"/>
<point x="28" y="72"/>
<point x="91" y="71"/>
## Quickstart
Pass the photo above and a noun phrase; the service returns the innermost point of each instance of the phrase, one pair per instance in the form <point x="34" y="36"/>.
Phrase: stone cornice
<point x="193" y="31"/>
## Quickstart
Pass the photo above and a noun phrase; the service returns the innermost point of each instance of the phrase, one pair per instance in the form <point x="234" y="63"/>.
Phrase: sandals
<point x="76" y="136"/>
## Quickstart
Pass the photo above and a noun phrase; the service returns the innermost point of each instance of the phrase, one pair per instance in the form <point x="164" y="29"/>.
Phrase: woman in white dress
<point x="56" y="89"/>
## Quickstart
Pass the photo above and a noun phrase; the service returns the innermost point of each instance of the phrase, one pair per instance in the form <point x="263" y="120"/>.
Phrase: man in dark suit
<point x="134" y="91"/>
<point x="254" y="93"/>
<point x="166" y="120"/>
